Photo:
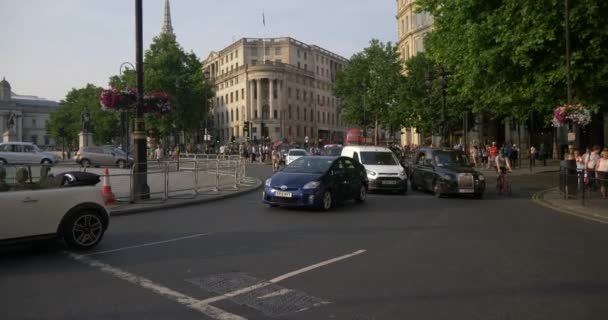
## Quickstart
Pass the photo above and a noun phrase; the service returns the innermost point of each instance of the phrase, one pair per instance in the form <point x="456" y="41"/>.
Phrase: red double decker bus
<point x="354" y="136"/>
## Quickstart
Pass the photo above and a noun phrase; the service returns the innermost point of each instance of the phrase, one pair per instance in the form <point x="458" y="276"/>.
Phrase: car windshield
<point x="309" y="165"/>
<point x="297" y="153"/>
<point x="332" y="151"/>
<point x="384" y="158"/>
<point x="451" y="158"/>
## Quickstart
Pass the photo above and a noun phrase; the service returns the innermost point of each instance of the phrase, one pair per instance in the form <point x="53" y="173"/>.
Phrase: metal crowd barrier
<point x="186" y="177"/>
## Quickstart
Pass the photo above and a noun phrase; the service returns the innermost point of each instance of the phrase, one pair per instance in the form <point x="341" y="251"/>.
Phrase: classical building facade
<point x="412" y="27"/>
<point x="24" y="118"/>
<point x="281" y="86"/>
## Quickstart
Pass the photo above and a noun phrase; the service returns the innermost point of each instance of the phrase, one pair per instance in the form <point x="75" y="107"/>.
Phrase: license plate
<point x="466" y="190"/>
<point x="389" y="182"/>
<point x="283" y="194"/>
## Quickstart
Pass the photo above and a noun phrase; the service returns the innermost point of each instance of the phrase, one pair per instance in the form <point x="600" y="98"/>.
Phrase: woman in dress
<point x="601" y="170"/>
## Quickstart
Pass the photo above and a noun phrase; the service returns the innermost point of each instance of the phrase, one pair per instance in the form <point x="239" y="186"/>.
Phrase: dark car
<point x="317" y="182"/>
<point x="446" y="172"/>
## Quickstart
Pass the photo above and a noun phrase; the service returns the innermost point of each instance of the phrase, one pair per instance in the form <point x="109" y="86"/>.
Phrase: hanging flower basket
<point x="116" y="100"/>
<point x="571" y="114"/>
<point x="156" y="102"/>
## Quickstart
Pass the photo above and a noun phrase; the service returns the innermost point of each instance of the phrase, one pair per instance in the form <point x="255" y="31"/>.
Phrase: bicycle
<point x="503" y="185"/>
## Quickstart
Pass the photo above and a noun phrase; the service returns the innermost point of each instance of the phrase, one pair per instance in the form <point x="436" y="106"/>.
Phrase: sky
<point x="48" y="47"/>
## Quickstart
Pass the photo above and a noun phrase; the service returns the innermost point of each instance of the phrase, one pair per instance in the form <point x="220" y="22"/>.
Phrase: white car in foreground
<point x="293" y="154"/>
<point x="35" y="205"/>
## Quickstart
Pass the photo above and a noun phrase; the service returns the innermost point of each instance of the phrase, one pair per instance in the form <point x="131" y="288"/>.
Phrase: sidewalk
<point x="552" y="166"/>
<point x="180" y="188"/>
<point x="595" y="208"/>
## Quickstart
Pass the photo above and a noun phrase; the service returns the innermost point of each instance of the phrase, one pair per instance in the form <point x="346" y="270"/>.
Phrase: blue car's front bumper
<point x="299" y="198"/>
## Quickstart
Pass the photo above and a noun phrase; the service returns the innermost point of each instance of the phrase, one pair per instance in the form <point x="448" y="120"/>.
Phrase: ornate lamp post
<point x="141" y="189"/>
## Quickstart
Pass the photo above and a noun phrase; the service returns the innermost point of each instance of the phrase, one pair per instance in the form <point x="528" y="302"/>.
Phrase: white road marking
<point x="190" y="302"/>
<point x="279" y="278"/>
<point x="281" y="292"/>
<point x="148" y="244"/>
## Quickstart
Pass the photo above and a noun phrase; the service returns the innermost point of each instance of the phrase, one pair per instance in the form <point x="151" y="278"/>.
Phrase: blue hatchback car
<point x="317" y="182"/>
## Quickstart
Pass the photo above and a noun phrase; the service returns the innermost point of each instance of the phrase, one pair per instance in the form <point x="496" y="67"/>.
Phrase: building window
<point x="318" y="116"/>
<point x="298" y="130"/>
<point x="288" y="92"/>
<point x="243" y="93"/>
<point x="34" y="139"/>
<point x="254" y="62"/>
<point x="305" y="56"/>
<point x="267" y="51"/>
<point x="277" y="51"/>
<point x="227" y="119"/>
<point x="298" y="64"/>
<point x="236" y="53"/>
<point x="289" y="114"/>
<point x="305" y="67"/>
<point x="231" y="97"/>
<point x="47" y="141"/>
<point x="419" y="44"/>
<point x="298" y="113"/>
<point x="317" y="70"/>
<point x="297" y="94"/>
<point x="231" y="115"/>
<point x="275" y="114"/>
<point x="236" y="94"/>
<point x="237" y="114"/>
<point x="305" y="111"/>
<point x="298" y="53"/>
<point x="34" y="123"/>
<point x="254" y="51"/>
<point x="323" y="118"/>
<point x="304" y="95"/>
<point x="312" y="115"/>
<point x="255" y="114"/>
<point x="221" y="101"/>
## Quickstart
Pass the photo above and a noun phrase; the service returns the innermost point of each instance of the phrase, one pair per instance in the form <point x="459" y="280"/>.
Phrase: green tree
<point x="368" y="86"/>
<point x="508" y="56"/>
<point x="102" y="123"/>
<point x="167" y="68"/>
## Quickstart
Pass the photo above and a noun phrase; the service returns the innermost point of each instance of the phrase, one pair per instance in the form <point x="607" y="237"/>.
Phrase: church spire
<point x="167" y="27"/>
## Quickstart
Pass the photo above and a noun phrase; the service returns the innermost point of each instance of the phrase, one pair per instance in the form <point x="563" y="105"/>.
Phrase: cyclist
<point x="502" y="166"/>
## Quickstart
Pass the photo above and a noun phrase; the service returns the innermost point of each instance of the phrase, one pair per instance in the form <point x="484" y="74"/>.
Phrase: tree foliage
<point x="368" y="86"/>
<point x="508" y="56"/>
<point x="102" y="123"/>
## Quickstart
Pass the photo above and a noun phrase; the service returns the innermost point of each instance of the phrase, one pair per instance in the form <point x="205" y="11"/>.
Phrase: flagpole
<point x="263" y="35"/>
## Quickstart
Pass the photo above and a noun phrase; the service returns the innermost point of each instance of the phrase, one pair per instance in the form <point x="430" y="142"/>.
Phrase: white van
<point x="384" y="171"/>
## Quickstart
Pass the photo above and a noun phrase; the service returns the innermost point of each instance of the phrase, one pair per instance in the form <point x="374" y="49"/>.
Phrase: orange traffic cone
<point x="106" y="189"/>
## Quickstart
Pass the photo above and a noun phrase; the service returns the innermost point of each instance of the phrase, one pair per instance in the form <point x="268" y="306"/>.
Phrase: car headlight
<point x="268" y="182"/>
<point x="481" y="177"/>
<point x="402" y="173"/>
<point x="311" y="185"/>
<point x="370" y="172"/>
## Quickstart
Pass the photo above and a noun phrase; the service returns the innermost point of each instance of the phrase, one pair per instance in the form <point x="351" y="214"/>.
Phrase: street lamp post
<point x="440" y="73"/>
<point x="124" y="117"/>
<point x="141" y="190"/>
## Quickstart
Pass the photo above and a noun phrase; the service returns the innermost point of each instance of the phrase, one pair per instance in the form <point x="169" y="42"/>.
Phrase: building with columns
<point x="412" y="27"/>
<point x="24" y="118"/>
<point x="281" y="86"/>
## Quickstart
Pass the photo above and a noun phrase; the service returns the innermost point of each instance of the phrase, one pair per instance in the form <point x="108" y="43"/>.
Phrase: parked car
<point x="294" y="154"/>
<point x="332" y="150"/>
<point x="25" y="152"/>
<point x="103" y="156"/>
<point x="445" y="172"/>
<point x="384" y="171"/>
<point x="316" y="182"/>
<point x="36" y="205"/>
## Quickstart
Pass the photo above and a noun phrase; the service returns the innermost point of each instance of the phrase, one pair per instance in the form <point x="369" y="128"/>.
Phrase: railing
<point x="576" y="183"/>
<point x="187" y="177"/>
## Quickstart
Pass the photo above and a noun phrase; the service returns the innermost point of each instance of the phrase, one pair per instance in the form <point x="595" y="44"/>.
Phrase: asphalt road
<point x="393" y="257"/>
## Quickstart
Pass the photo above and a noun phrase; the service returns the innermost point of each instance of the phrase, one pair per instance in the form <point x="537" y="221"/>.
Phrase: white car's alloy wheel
<point x="84" y="230"/>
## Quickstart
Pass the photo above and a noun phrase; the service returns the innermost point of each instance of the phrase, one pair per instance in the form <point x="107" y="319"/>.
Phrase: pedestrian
<point x="601" y="169"/>
<point x="484" y="156"/>
<point x="158" y="155"/>
<point x="542" y="153"/>
<point x="590" y="166"/>
<point x="515" y="156"/>
<point x="253" y="153"/>
<point x="276" y="157"/>
<point x="474" y="154"/>
<point x="580" y="167"/>
<point x="532" y="156"/>
<point x="493" y="154"/>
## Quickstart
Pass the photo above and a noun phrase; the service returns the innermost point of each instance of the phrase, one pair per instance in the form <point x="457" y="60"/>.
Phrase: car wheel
<point x="327" y="201"/>
<point x="85" y="163"/>
<point x="46" y="162"/>
<point x="83" y="230"/>
<point x="437" y="190"/>
<point x="362" y="194"/>
<point x="121" y="164"/>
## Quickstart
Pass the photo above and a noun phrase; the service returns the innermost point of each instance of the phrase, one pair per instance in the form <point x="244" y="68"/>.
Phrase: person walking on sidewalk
<point x="591" y="159"/>
<point x="543" y="154"/>
<point x="484" y="156"/>
<point x="515" y="156"/>
<point x="601" y="169"/>
<point x="532" y="157"/>
<point x="158" y="155"/>
<point x="493" y="153"/>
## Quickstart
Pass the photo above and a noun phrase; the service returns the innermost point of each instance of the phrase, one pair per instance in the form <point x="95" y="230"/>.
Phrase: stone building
<point x="24" y="118"/>
<point x="281" y="86"/>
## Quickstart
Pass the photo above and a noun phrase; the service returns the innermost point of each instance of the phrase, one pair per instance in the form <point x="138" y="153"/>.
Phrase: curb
<point x="538" y="198"/>
<point x="127" y="211"/>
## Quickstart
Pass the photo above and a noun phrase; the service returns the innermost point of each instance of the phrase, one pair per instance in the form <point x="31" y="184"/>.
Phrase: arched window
<point x="237" y="115"/>
<point x="298" y="113"/>
<point x="231" y="115"/>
